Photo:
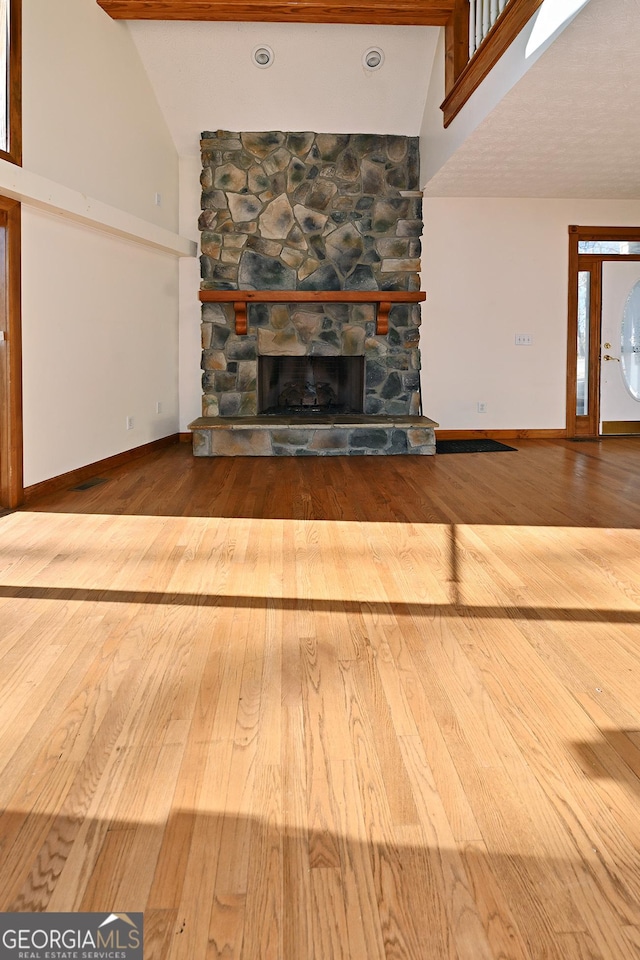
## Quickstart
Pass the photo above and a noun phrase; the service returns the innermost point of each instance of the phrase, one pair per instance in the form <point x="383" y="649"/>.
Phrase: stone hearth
<point x="315" y="436"/>
<point x="310" y="212"/>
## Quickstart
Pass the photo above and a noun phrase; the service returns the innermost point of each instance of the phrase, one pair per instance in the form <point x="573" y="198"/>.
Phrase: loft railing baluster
<point x="486" y="17"/>
<point x="483" y="15"/>
<point x="472" y="27"/>
<point x="478" y="31"/>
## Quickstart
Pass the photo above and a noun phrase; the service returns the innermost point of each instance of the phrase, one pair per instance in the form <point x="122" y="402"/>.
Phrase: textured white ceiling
<point x="204" y="78"/>
<point x="570" y="127"/>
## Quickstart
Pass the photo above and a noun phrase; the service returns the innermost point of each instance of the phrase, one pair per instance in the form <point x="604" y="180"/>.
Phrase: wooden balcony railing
<point x="478" y="32"/>
<point x="483" y="16"/>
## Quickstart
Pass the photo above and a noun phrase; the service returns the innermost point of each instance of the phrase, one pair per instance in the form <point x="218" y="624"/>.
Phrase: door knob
<point x="607" y="357"/>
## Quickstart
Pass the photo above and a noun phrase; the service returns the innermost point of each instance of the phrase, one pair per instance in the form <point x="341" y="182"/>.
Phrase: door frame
<point x="589" y="424"/>
<point x="11" y="442"/>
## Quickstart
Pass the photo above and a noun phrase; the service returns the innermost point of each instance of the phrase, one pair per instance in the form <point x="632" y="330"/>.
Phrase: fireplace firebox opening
<point x="299" y="386"/>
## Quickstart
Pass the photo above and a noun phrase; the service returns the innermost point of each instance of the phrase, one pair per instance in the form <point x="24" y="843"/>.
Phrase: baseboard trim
<point x="500" y="434"/>
<point x="74" y="477"/>
<point x="185" y="437"/>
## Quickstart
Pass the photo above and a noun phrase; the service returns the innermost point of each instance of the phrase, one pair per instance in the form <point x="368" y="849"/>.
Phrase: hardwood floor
<point x="314" y="709"/>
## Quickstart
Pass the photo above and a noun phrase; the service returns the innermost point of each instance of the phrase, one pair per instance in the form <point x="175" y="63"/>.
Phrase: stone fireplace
<point x="310" y="281"/>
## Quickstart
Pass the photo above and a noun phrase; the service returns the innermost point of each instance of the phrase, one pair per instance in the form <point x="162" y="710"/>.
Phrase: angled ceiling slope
<point x="433" y="13"/>
<point x="570" y="127"/>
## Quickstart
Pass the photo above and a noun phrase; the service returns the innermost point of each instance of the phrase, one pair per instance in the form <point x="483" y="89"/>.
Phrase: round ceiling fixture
<point x="373" y="58"/>
<point x="263" y="56"/>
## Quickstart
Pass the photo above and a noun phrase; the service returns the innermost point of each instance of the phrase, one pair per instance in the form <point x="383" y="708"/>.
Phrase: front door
<point x="620" y="349"/>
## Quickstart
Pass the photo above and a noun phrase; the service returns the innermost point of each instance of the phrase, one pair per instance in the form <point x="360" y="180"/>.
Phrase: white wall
<point x="90" y="117"/>
<point x="493" y="268"/>
<point x="100" y="344"/>
<point x="100" y="314"/>
<point x="205" y="78"/>
<point x="190" y="339"/>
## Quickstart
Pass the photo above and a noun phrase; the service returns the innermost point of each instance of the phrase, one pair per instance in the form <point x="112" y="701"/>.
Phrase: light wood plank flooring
<point x="355" y="708"/>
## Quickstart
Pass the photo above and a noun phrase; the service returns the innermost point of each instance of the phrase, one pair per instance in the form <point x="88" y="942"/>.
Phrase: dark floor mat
<point x="471" y="446"/>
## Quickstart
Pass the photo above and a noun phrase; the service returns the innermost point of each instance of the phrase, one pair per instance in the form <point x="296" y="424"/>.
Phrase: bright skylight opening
<point x="553" y="15"/>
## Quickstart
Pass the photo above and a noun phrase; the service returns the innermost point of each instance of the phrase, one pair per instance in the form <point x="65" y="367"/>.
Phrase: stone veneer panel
<point x="307" y="211"/>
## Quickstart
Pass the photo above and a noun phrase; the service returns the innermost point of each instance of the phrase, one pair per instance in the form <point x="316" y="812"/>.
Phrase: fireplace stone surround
<point x="310" y="212"/>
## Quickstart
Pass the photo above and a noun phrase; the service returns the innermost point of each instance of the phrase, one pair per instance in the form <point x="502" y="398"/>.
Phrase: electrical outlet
<point x="129" y="423"/>
<point x="158" y="199"/>
<point x="482" y="407"/>
<point x="523" y="339"/>
<point x="158" y="406"/>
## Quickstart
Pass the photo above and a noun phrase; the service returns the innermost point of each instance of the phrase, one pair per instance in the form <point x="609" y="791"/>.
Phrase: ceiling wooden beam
<point x="404" y="12"/>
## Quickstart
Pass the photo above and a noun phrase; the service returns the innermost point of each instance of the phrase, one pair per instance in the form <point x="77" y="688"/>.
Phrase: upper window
<point x="10" y="81"/>
<point x="621" y="248"/>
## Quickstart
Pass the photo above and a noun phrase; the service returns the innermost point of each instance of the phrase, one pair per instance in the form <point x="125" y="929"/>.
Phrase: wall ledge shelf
<point x="40" y="193"/>
<point x="384" y="299"/>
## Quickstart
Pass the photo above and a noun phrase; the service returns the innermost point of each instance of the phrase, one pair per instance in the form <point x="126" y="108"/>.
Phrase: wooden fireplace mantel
<point x="385" y="299"/>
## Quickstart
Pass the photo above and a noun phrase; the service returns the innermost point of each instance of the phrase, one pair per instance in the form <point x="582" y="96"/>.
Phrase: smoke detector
<point x="262" y="56"/>
<point x="373" y="58"/>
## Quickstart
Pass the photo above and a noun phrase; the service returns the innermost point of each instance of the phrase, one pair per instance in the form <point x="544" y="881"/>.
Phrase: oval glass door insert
<point x="630" y="342"/>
